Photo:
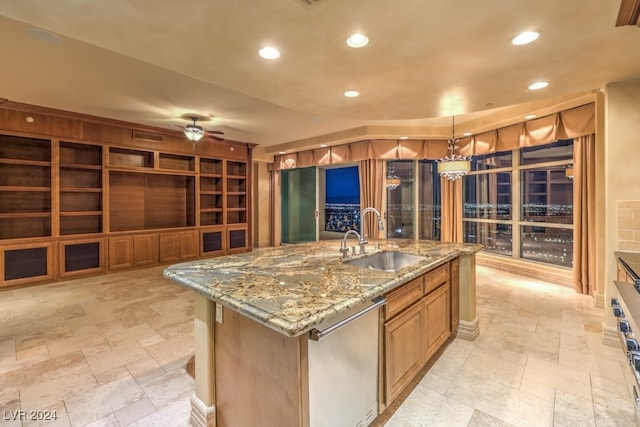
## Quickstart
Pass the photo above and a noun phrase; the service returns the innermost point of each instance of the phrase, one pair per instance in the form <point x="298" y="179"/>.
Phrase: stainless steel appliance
<point x="626" y="308"/>
<point x="343" y="369"/>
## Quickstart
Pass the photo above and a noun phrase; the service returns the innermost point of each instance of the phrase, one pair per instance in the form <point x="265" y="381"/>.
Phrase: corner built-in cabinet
<point x="71" y="207"/>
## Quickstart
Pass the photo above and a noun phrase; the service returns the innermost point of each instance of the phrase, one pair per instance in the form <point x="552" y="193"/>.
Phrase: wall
<point x="628" y="225"/>
<point x="622" y="176"/>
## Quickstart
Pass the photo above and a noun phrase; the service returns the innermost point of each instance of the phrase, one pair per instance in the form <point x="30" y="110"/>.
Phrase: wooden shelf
<point x="80" y="190"/>
<point x="25" y="162"/>
<point x="78" y="166"/>
<point x="81" y="213"/>
<point x="26" y="215"/>
<point x="33" y="189"/>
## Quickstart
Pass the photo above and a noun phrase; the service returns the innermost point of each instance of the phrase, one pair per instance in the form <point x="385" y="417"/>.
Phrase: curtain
<point x="451" y="222"/>
<point x="584" y="208"/>
<point x="371" y="173"/>
<point x="567" y="124"/>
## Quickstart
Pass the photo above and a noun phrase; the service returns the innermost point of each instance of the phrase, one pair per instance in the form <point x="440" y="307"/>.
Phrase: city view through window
<point x="342" y="201"/>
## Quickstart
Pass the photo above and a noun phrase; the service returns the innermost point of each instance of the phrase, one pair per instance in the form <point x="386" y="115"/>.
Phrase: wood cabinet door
<point x="169" y="249"/>
<point x="437" y="318"/>
<point x="188" y="244"/>
<point x="145" y="249"/>
<point x="120" y="252"/>
<point x="455" y="294"/>
<point x="404" y="349"/>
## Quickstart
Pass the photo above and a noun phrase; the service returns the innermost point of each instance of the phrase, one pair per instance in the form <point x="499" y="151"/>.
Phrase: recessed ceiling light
<point x="357" y="40"/>
<point x="323" y="145"/>
<point x="525" y="38"/>
<point x="538" y="85"/>
<point x="283" y="152"/>
<point x="467" y="134"/>
<point x="351" y="93"/>
<point x="404" y="137"/>
<point x="269" y="53"/>
<point x="530" y="116"/>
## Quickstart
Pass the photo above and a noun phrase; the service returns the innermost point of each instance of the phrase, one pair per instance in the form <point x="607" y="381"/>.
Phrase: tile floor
<point x="117" y="350"/>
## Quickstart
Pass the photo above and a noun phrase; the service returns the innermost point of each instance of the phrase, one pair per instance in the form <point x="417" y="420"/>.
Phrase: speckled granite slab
<point x="293" y="288"/>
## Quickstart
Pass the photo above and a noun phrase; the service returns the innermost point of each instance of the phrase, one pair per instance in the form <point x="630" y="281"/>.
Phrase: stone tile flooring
<point x="117" y="350"/>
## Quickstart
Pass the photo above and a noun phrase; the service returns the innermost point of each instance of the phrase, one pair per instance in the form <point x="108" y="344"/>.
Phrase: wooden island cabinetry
<point x="81" y="197"/>
<point x="416" y="323"/>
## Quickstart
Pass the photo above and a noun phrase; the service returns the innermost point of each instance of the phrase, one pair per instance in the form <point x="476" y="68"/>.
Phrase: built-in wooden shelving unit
<point x="81" y="198"/>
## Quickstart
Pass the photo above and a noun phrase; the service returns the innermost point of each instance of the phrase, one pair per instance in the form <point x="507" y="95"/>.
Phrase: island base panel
<point x="261" y="375"/>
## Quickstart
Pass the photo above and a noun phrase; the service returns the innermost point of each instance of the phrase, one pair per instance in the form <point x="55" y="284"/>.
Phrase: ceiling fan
<point x="195" y="133"/>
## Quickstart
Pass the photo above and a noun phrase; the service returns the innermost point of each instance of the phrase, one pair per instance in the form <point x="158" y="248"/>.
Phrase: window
<point x="429" y="212"/>
<point x="413" y="207"/>
<point x="534" y="180"/>
<point x="400" y="201"/>
<point x="342" y="199"/>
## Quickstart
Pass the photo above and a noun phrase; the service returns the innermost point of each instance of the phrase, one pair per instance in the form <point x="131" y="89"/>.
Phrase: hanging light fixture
<point x="393" y="181"/>
<point x="453" y="166"/>
<point x="194" y="132"/>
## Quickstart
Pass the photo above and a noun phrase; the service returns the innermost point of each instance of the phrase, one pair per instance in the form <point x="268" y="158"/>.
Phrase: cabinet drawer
<point x="436" y="277"/>
<point x="403" y="297"/>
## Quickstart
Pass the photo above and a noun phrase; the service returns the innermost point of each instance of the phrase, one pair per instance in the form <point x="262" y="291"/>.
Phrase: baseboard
<point x="468" y="330"/>
<point x="201" y="414"/>
<point x="534" y="270"/>
<point x="610" y="336"/>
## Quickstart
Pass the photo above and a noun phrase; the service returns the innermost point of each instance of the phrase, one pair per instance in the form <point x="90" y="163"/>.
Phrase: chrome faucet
<point x="343" y="246"/>
<point x="363" y="240"/>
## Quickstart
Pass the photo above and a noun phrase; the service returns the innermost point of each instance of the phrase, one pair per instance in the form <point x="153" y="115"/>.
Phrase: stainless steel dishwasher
<point x="343" y="369"/>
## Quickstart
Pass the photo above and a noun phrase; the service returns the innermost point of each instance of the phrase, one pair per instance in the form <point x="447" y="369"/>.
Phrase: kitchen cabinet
<point x="417" y="322"/>
<point x="404" y="341"/>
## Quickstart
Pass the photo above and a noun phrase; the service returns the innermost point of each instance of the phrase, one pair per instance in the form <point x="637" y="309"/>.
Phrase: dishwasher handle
<point x="317" y="335"/>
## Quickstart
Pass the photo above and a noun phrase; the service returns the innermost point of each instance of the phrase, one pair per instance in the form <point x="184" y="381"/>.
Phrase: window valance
<point x="572" y="123"/>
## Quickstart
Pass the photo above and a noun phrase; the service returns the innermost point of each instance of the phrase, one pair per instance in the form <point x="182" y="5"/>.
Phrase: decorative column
<point x="203" y="409"/>
<point x="468" y="328"/>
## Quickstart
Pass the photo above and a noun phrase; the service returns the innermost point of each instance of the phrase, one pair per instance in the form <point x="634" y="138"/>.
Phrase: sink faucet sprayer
<point x="363" y="240"/>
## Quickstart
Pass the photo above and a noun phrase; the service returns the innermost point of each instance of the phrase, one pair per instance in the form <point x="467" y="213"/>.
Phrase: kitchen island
<point x="254" y="312"/>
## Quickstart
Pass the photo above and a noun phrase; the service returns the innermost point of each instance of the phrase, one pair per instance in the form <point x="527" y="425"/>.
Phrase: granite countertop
<point x="630" y="261"/>
<point x="293" y="288"/>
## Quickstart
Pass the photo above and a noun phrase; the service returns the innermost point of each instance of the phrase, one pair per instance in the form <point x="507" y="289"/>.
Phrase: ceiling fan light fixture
<point x="193" y="133"/>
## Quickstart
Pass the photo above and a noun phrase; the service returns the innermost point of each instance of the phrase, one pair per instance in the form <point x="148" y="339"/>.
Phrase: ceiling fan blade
<point x="181" y="127"/>
<point x="217" y="132"/>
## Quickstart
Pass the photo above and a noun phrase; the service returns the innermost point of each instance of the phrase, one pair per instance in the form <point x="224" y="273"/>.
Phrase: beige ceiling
<point x="155" y="61"/>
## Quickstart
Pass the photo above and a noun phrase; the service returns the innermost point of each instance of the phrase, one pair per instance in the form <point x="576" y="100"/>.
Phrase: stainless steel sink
<point x="386" y="261"/>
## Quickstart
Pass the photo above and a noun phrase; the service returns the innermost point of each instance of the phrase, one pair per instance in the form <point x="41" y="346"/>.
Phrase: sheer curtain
<point x="372" y="180"/>
<point x="584" y="208"/>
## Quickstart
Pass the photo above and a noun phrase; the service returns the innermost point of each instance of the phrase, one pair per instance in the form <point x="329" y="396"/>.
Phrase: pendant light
<point x="453" y="166"/>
